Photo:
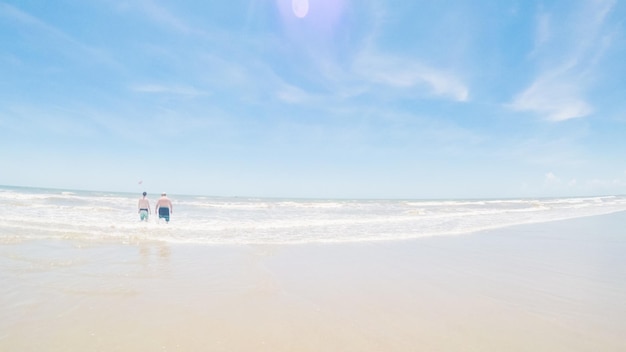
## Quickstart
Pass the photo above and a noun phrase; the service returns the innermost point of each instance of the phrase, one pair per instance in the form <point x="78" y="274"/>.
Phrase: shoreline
<point x="94" y="217"/>
<point x="555" y="286"/>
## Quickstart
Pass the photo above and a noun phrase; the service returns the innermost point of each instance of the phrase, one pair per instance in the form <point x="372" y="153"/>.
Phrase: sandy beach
<point x="556" y="286"/>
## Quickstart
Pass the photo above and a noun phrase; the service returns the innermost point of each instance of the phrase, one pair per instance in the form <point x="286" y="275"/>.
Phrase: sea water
<point x="31" y="214"/>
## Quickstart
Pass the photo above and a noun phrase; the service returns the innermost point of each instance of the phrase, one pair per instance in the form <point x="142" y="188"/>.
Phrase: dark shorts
<point x="164" y="213"/>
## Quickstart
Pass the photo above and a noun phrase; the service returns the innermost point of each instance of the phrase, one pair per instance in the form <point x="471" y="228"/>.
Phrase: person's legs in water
<point x="164" y="213"/>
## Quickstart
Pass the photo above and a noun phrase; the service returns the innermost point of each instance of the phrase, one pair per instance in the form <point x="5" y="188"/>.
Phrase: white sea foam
<point x="95" y="216"/>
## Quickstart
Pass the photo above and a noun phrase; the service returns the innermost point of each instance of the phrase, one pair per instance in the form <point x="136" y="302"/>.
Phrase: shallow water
<point x="30" y="213"/>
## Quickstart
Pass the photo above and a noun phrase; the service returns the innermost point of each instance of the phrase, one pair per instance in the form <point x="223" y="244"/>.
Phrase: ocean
<point x="36" y="214"/>
<point x="80" y="272"/>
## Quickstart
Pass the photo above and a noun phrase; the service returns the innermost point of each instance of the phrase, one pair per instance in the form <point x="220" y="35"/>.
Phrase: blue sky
<point x="352" y="99"/>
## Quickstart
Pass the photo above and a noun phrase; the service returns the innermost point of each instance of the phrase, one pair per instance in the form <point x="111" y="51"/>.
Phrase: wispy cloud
<point x="160" y="14"/>
<point x="406" y="73"/>
<point x="554" y="98"/>
<point x="24" y="18"/>
<point x="360" y="68"/>
<point x="568" y="51"/>
<point x="542" y="31"/>
<point x="29" y="21"/>
<point x="180" y="90"/>
<point x="292" y="94"/>
<point x="55" y="38"/>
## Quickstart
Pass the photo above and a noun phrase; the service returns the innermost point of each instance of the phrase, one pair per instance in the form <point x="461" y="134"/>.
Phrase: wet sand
<point x="556" y="286"/>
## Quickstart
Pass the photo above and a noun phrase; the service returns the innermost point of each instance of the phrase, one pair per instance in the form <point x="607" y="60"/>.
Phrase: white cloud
<point x="551" y="179"/>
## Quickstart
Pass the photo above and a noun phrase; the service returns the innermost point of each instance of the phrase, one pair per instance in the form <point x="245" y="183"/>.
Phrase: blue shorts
<point x="164" y="213"/>
<point x="143" y="214"/>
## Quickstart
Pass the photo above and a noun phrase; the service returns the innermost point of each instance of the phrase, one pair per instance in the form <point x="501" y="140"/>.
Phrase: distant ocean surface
<point x="33" y="214"/>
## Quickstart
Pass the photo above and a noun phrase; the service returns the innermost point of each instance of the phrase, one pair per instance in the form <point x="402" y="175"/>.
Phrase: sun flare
<point x="300" y="7"/>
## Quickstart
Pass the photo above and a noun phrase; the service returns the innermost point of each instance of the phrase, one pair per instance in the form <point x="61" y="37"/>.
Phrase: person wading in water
<point x="164" y="207"/>
<point x="144" y="208"/>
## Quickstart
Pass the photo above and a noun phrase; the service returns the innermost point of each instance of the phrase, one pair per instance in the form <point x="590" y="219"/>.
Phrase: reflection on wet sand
<point x="158" y="250"/>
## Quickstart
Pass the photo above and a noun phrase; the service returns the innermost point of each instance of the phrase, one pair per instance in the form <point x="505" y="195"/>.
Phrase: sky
<point x="315" y="98"/>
